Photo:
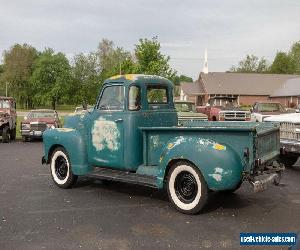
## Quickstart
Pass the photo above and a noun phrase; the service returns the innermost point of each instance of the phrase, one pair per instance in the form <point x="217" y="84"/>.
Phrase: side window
<point x="157" y="94"/>
<point x="112" y="98"/>
<point x="134" y="98"/>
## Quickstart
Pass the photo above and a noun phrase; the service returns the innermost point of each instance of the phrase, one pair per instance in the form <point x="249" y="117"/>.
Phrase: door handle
<point x="119" y="120"/>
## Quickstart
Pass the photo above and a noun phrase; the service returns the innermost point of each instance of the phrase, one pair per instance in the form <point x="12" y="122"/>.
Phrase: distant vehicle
<point x="224" y="108"/>
<point x="262" y="110"/>
<point x="8" y="118"/>
<point x="81" y="109"/>
<point x="186" y="112"/>
<point x="37" y="121"/>
<point x="289" y="137"/>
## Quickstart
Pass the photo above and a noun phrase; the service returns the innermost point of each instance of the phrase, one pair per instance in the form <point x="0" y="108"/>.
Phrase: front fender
<point x="219" y="164"/>
<point x="74" y="144"/>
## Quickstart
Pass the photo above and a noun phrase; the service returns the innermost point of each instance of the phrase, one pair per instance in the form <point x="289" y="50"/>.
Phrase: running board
<point x="123" y="176"/>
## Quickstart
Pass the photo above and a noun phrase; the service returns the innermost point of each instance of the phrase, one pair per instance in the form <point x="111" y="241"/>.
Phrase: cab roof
<point x="139" y="79"/>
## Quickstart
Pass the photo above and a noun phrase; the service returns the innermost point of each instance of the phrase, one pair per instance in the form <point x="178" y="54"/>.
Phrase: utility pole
<point x="6" y="88"/>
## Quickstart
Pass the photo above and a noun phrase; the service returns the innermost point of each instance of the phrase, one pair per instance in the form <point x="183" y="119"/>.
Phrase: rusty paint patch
<point x="170" y="145"/>
<point x="160" y="159"/>
<point x="105" y="134"/>
<point x="219" y="173"/>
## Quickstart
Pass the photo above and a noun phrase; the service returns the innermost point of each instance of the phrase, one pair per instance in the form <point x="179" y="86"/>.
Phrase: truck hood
<point x="272" y="113"/>
<point x="229" y="108"/>
<point x="294" y="118"/>
<point x="42" y="120"/>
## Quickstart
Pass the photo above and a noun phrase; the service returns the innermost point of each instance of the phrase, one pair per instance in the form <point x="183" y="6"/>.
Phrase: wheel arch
<point x="219" y="164"/>
<point x="73" y="143"/>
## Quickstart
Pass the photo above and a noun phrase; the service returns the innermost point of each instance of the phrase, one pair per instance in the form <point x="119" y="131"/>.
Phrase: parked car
<point x="224" y="108"/>
<point x="8" y="118"/>
<point x="187" y="113"/>
<point x="262" y="110"/>
<point x="289" y="136"/>
<point x="133" y="136"/>
<point x="37" y="122"/>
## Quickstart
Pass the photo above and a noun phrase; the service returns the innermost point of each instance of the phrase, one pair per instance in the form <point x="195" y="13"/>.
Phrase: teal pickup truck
<point x="132" y="135"/>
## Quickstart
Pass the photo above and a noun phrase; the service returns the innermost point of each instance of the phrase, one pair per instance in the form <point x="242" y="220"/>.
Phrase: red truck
<point x="224" y="108"/>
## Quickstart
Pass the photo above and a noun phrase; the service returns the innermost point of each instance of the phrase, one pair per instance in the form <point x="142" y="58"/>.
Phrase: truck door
<point x="106" y="143"/>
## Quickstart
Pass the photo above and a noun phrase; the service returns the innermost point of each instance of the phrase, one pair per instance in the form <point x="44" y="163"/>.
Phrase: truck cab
<point x="132" y="135"/>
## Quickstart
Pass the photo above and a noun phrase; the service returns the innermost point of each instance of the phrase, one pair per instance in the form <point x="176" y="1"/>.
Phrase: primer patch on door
<point x="105" y="134"/>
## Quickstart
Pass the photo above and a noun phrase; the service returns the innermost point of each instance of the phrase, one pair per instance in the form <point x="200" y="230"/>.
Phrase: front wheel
<point x="187" y="189"/>
<point x="61" y="170"/>
<point x="13" y="134"/>
<point x="5" y="134"/>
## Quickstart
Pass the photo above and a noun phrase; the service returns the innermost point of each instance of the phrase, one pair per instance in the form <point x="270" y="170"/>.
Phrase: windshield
<point x="185" y="107"/>
<point x="270" y="107"/>
<point x="4" y="104"/>
<point x="42" y="114"/>
<point x="224" y="102"/>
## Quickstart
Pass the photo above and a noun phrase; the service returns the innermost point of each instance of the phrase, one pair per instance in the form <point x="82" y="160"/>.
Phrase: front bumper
<point x="290" y="146"/>
<point x="31" y="134"/>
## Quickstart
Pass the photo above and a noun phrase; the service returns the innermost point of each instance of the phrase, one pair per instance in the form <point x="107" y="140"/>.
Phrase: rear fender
<point x="219" y="164"/>
<point x="74" y="144"/>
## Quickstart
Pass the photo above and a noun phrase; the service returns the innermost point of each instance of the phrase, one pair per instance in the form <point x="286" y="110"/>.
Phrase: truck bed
<point x="258" y="138"/>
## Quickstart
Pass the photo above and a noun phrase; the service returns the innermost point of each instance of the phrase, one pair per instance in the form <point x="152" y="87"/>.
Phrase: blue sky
<point x="228" y="29"/>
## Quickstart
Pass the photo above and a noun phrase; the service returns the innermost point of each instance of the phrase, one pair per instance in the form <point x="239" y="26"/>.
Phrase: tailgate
<point x="267" y="143"/>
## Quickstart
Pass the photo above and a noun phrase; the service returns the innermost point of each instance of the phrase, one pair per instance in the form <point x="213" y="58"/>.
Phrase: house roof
<point x="290" y="87"/>
<point x="236" y="83"/>
<point x="192" y="88"/>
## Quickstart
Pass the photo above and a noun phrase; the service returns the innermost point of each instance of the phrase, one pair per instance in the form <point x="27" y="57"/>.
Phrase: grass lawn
<point x="59" y="108"/>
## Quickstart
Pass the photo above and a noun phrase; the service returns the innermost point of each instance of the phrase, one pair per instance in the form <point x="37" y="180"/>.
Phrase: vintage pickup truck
<point x="224" y="108"/>
<point x="132" y="135"/>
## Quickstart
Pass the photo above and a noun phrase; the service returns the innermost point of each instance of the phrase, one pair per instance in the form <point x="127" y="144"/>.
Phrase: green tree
<point x="51" y="78"/>
<point x="251" y="64"/>
<point x="282" y="64"/>
<point x="182" y="78"/>
<point x="151" y="61"/>
<point x="86" y="76"/>
<point x="113" y="61"/>
<point x="17" y="70"/>
<point x="2" y="83"/>
<point x="294" y="54"/>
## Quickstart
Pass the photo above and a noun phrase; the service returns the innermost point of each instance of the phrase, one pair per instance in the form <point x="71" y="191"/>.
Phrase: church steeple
<point x="205" y="66"/>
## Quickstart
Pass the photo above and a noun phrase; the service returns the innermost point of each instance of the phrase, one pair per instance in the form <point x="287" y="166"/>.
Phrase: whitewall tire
<point x="61" y="170"/>
<point x="187" y="189"/>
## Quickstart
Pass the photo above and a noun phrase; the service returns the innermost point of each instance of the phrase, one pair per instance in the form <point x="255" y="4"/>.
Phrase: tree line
<point x="283" y="63"/>
<point x="48" y="78"/>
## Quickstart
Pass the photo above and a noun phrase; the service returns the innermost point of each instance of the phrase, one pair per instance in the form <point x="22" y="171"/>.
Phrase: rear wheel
<point x="61" y="169"/>
<point x="187" y="189"/>
<point x="5" y="134"/>
<point x="288" y="160"/>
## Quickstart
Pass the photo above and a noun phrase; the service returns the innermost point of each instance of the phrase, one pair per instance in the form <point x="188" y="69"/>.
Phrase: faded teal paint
<point x="146" y="140"/>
